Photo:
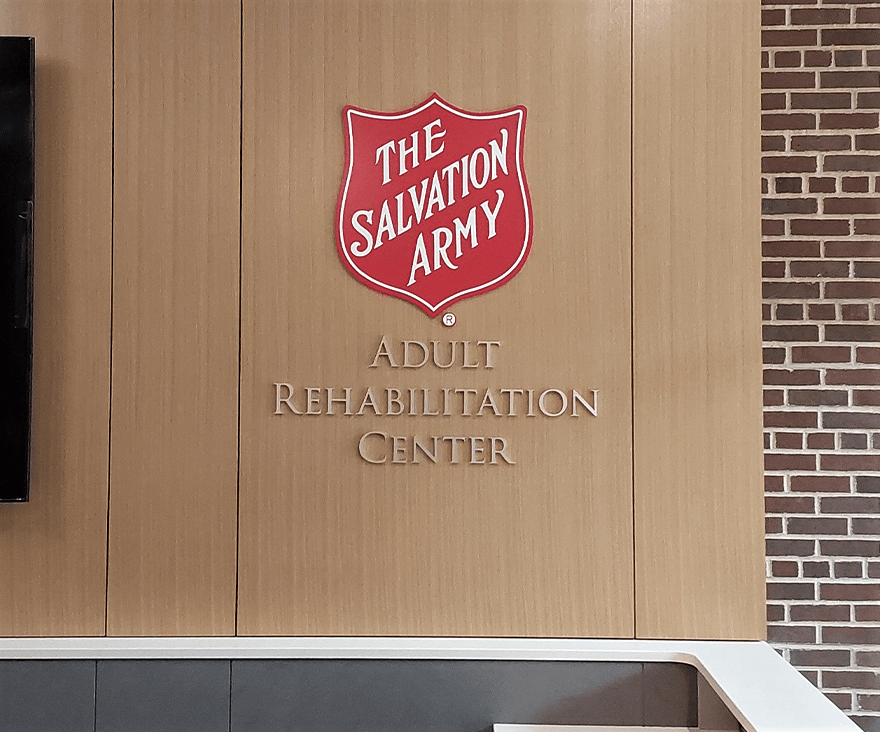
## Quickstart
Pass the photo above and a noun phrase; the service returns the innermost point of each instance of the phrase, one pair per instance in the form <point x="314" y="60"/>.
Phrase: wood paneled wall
<point x="696" y="320"/>
<point x="53" y="549"/>
<point x="189" y="155"/>
<point x="174" y="419"/>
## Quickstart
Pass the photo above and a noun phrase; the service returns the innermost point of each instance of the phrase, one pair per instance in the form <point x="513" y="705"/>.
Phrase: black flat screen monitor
<point x="16" y="257"/>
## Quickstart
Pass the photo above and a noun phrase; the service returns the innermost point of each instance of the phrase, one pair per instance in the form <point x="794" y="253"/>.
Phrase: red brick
<point x="790" y="290"/>
<point x="787" y="59"/>
<point x="852" y="205"/>
<point x="867" y="484"/>
<point x="819" y="16"/>
<point x="820" y="483"/>
<point x="788" y="441"/>
<point x="807" y="613"/>
<point x="786" y="377"/>
<point x="853" y="377"/>
<point x="790" y="547"/>
<point x="800" y="634"/>
<point x="774" y="355"/>
<point x="791" y="420"/>
<point x="850" y="679"/>
<point x="789" y="461"/>
<point x="803" y="333"/>
<point x="853" y="290"/>
<point x="799" y="37"/>
<point x="789" y="311"/>
<point x="773" y="101"/>
<point x="821" y="311"/>
<point x="842" y="79"/>
<point x="855" y="185"/>
<point x="777" y="206"/>
<point x="822" y="185"/>
<point x="868" y="702"/>
<point x="821" y="100"/>
<point x="873" y="573"/>
<point x="784" y="569"/>
<point x="867" y="269"/>
<point x="853" y="441"/>
<point x="850" y="248"/>
<point x="773" y="17"/>
<point x="867" y="142"/>
<point x="860" y="636"/>
<point x="772" y="228"/>
<point x="846" y="37"/>
<point x="866" y="398"/>
<point x="820" y="441"/>
<point x="850" y="590"/>
<point x="821" y="354"/>
<point x="866" y="526"/>
<point x="790" y="504"/>
<point x="820" y="227"/>
<point x="867" y="614"/>
<point x="854" y="312"/>
<point x="817" y="398"/>
<point x="872" y="57"/>
<point x="868" y="100"/>
<point x="773" y="270"/>
<point x="820" y="143"/>
<point x="852" y="163"/>
<point x="794" y="248"/>
<point x="788" y="163"/>
<point x="817" y="570"/>
<point x="870" y="227"/>
<point x="819" y="268"/>
<point x="819" y="657"/>
<point x="848" y="57"/>
<point x="868" y="659"/>
<point x="848" y="570"/>
<point x="817" y="58"/>
<point x="791" y="591"/>
<point x="816" y="526"/>
<point x="850" y="463"/>
<point x="775" y="613"/>
<point x="866" y="354"/>
<point x="839" y="333"/>
<point x="788" y="185"/>
<point x="849" y="504"/>
<point x="774" y="483"/>
<point x="772" y="143"/>
<point x="867" y="15"/>
<point x="847" y="121"/>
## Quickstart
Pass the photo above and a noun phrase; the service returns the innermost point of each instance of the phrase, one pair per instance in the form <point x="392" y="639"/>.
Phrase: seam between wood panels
<point x="632" y="305"/>
<point x="240" y="237"/>
<point x="112" y="276"/>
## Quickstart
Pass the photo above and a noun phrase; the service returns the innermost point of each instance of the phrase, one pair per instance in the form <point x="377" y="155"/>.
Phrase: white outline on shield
<point x="519" y="174"/>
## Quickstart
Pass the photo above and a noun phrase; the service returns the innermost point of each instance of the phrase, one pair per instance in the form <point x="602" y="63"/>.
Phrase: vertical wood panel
<point x="53" y="549"/>
<point x="175" y="318"/>
<point x="331" y="545"/>
<point x="697" y="380"/>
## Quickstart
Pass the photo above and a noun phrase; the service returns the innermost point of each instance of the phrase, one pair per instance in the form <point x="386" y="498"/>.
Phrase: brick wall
<point x="821" y="244"/>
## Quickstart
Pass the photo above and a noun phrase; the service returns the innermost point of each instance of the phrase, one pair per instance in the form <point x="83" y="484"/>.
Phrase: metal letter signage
<point x="434" y="206"/>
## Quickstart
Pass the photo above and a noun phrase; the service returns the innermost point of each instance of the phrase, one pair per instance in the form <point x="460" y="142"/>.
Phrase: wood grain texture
<point x="330" y="544"/>
<point x="175" y="318"/>
<point x="53" y="549"/>
<point x="697" y="360"/>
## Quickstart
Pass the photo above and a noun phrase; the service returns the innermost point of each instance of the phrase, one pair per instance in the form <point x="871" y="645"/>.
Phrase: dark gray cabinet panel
<point x="47" y="696"/>
<point x="171" y="696"/>
<point x="443" y="696"/>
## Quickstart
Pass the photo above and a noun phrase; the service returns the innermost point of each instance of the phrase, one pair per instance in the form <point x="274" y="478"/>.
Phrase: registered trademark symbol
<point x="449" y="319"/>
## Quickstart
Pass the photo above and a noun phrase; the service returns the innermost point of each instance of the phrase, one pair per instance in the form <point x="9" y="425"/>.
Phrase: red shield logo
<point x="434" y="206"/>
